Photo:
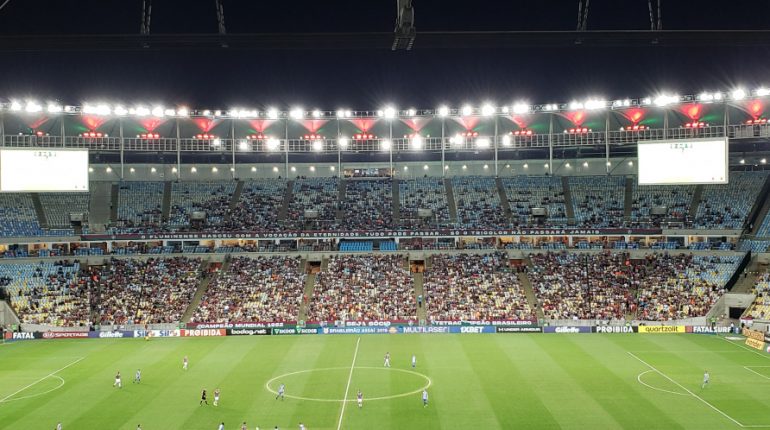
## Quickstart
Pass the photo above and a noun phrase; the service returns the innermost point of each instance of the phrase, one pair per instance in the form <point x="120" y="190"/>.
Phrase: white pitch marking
<point x="44" y="377"/>
<point x="691" y="393"/>
<point x="740" y="345"/>
<point x="755" y="372"/>
<point x="639" y="378"/>
<point x="61" y="384"/>
<point x="347" y="388"/>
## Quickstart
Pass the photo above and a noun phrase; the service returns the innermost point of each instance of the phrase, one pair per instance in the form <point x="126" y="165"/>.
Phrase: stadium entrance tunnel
<point x="328" y="384"/>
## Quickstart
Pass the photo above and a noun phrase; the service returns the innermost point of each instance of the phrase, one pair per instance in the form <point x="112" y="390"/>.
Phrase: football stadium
<point x="585" y="263"/>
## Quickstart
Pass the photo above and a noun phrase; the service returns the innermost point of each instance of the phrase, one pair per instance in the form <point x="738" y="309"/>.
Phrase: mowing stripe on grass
<point x="687" y="390"/>
<point x="41" y="379"/>
<point x="347" y="387"/>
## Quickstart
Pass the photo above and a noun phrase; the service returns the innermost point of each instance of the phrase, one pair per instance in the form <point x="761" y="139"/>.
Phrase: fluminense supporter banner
<point x="248" y="331"/>
<point x="614" y="329"/>
<point x="567" y="329"/>
<point x="243" y="325"/>
<point x="377" y="234"/>
<point x="203" y="332"/>
<point x="484" y="322"/>
<point x="707" y="330"/>
<point x="662" y="329"/>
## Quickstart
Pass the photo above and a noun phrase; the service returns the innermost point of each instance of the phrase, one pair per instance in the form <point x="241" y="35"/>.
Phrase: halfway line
<point x="347" y="387"/>
<point x="41" y="379"/>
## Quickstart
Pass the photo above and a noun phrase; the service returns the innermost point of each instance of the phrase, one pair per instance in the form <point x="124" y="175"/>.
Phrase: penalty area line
<point x="41" y="379"/>
<point x="347" y="387"/>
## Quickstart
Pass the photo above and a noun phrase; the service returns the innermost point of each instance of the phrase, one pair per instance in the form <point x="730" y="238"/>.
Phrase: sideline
<point x="41" y="379"/>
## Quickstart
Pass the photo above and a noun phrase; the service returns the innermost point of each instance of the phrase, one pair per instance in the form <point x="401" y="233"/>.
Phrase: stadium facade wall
<point x="7" y="315"/>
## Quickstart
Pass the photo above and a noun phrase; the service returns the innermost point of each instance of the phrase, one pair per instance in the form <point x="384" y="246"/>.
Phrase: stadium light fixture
<point x="630" y="163"/>
<point x="15" y="106"/>
<point x="206" y="112"/>
<point x="275" y="169"/>
<point x="505" y="109"/>
<point x="506" y="140"/>
<point x="214" y="169"/>
<point x="550" y="107"/>
<point x="183" y="111"/>
<point x="567" y="165"/>
<point x="217" y="112"/>
<point x="446" y="167"/>
<point x="520" y="108"/>
<point x="193" y="169"/>
<point x="482" y="143"/>
<point x="232" y="169"/>
<point x="132" y="170"/>
<point x="486" y="166"/>
<point x="54" y="108"/>
<point x="762" y="92"/>
<point x="487" y="110"/>
<point x="216" y="142"/>
<point x="343" y="142"/>
<point x="120" y="110"/>
<point x="665" y="100"/>
<point x="425" y="167"/>
<point x="575" y="105"/>
<point x="253" y="169"/>
<point x="317" y="113"/>
<point x="158" y="112"/>
<point x="763" y="161"/>
<point x="406" y="168"/>
<point x="169" y="112"/>
<point x="738" y="94"/>
<point x="297" y="113"/>
<point x="153" y="170"/>
<point x="411" y="112"/>
<point x="312" y="168"/>
<point x="318" y="145"/>
<point x="465" y="167"/>
<point x="609" y="163"/>
<point x="90" y="170"/>
<point x="33" y="107"/>
<point x="594" y="104"/>
<point x="173" y="170"/>
<point x="108" y="169"/>
<point x="705" y="97"/>
<point x="545" y="165"/>
<point x="585" y="164"/>
<point x="467" y="110"/>
<point x="622" y="103"/>
<point x="526" y="166"/>
<point x="141" y="111"/>
<point x="272" y="113"/>
<point x="389" y="112"/>
<point x="385" y="145"/>
<point x="332" y="168"/>
<point x="293" y="169"/>
<point x="417" y="141"/>
<point x="273" y="143"/>
<point x="443" y="111"/>
<point x="243" y="145"/>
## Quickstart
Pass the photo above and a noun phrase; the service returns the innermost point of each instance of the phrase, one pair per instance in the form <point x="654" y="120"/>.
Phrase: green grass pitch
<point x="484" y="382"/>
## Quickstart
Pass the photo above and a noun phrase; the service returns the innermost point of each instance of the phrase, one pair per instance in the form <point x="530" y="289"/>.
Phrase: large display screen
<point x="683" y="161"/>
<point x="41" y="170"/>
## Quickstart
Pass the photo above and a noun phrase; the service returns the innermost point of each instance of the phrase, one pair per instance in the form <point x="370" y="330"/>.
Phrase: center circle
<point x="427" y="383"/>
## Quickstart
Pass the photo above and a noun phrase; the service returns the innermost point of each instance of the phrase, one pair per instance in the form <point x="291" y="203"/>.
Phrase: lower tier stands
<point x="261" y="289"/>
<point x="363" y="288"/>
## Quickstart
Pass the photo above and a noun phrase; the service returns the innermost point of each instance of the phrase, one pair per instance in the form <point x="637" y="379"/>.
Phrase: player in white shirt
<point x="216" y="397"/>
<point x="281" y="390"/>
<point x="221" y="426"/>
<point x="58" y="426"/>
<point x="244" y="426"/>
<point x="424" y="398"/>
<point x="184" y="363"/>
<point x="138" y="427"/>
<point x="138" y="376"/>
<point x="387" y="359"/>
<point x="706" y="378"/>
<point x="414" y="361"/>
<point x="118" y="383"/>
<point x="360" y="399"/>
<point x="301" y="426"/>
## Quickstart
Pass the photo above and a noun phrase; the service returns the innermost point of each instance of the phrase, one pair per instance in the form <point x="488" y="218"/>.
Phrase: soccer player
<point x="424" y="398"/>
<point x="387" y="359"/>
<point x="138" y="376"/>
<point x="184" y="363"/>
<point x="117" y="381"/>
<point x="706" y="378"/>
<point x="243" y="426"/>
<point x="216" y="397"/>
<point x="58" y="426"/>
<point x="414" y="361"/>
<point x="281" y="390"/>
<point x="301" y="426"/>
<point x="221" y="426"/>
<point x="203" y="398"/>
<point x="138" y="427"/>
<point x="360" y="399"/>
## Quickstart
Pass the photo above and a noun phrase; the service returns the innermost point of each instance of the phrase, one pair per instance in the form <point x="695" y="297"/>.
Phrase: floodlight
<point x="90" y="170"/>
<point x="297" y="113"/>
<point x="316" y="113"/>
<point x="593" y="104"/>
<point x="153" y="170"/>
<point x="173" y="170"/>
<point x="487" y="110"/>
<point x="243" y="145"/>
<point x="108" y="169"/>
<point x="443" y="111"/>
<point x="216" y="142"/>
<point x="312" y="168"/>
<point x="318" y="145"/>
<point x="193" y="169"/>
<point x="526" y="166"/>
<point x="389" y="112"/>
<point x="482" y="143"/>
<point x="385" y="145"/>
<point x="272" y="113"/>
<point x="425" y="167"/>
<point x="142" y="111"/>
<point x="738" y="94"/>
<point x="169" y="112"/>
<point x="273" y="143"/>
<point x="132" y="170"/>
<point x="520" y="108"/>
<point x="506" y="140"/>
<point x="417" y="141"/>
<point x="467" y="110"/>
<point x="33" y="107"/>
<point x="15" y="106"/>
<point x="567" y="165"/>
<point x="762" y="92"/>
<point x="214" y="169"/>
<point x="486" y="166"/>
<point x="275" y="169"/>
<point x="585" y="164"/>
<point x="575" y="105"/>
<point x="54" y="108"/>
<point x="158" y="112"/>
<point x="293" y="169"/>
<point x="411" y="112"/>
<point x="406" y="168"/>
<point x="253" y="169"/>
<point x="182" y="111"/>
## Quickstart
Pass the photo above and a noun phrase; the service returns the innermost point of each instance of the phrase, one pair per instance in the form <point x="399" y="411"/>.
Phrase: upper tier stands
<point x="262" y="289"/>
<point x="527" y="192"/>
<point x="598" y="200"/>
<point x="49" y="293"/>
<point x="474" y="287"/>
<point x="676" y="198"/>
<point x="423" y="193"/>
<point x="139" y="206"/>
<point x="18" y="218"/>
<point x="319" y="194"/>
<point x="213" y="198"/>
<point x="362" y="289"/>
<point x="478" y="202"/>
<point x="727" y="206"/>
<point x="133" y="291"/>
<point x="259" y="204"/>
<point x="58" y="206"/>
<point x="368" y="205"/>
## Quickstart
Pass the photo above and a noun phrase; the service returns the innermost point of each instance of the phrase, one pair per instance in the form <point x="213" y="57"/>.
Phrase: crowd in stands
<point x="585" y="286"/>
<point x="474" y="287"/>
<point x="363" y="288"/>
<point x="211" y="198"/>
<point x="478" y="202"/>
<point x="423" y="193"/>
<point x="313" y="194"/>
<point x="527" y="192"/>
<point x="139" y="207"/>
<point x="134" y="291"/>
<point x="18" y="217"/>
<point x="676" y="200"/>
<point x="258" y="206"/>
<point x="598" y="201"/>
<point x="261" y="289"/>
<point x="728" y="206"/>
<point x="760" y="308"/>
<point x="368" y="205"/>
<point x="48" y="293"/>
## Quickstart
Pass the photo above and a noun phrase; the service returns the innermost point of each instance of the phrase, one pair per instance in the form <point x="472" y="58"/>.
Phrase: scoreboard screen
<point x="683" y="161"/>
<point x="43" y="170"/>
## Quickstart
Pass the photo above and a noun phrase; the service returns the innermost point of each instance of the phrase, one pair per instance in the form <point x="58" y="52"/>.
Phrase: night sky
<point x="369" y="79"/>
